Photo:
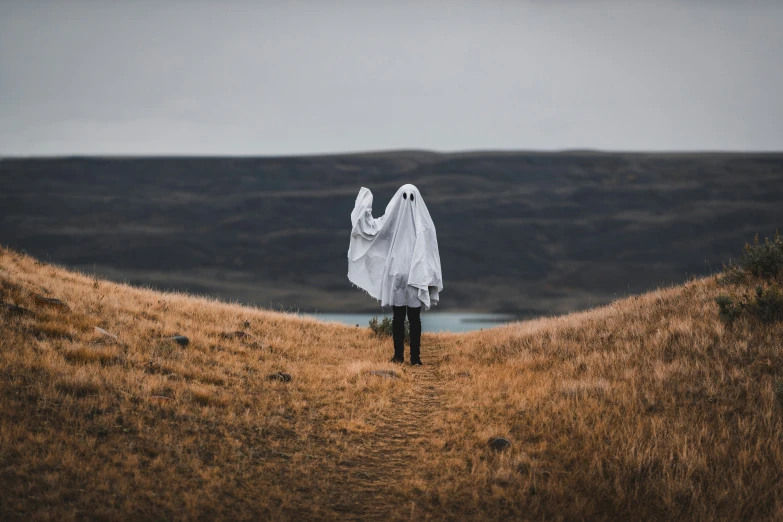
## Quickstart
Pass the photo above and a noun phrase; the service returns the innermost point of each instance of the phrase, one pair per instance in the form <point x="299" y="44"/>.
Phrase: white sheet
<point x="395" y="258"/>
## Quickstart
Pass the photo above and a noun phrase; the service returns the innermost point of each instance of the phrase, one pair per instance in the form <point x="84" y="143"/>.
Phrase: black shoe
<point x="416" y="362"/>
<point x="396" y="360"/>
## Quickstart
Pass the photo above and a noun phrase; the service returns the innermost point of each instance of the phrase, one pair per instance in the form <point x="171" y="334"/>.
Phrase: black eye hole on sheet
<point x="404" y="195"/>
<point x="411" y="196"/>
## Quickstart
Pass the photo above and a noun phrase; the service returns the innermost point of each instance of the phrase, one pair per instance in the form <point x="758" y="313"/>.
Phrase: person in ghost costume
<point x="395" y="259"/>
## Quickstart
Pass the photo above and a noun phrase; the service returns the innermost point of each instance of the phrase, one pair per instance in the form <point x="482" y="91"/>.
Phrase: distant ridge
<point x="519" y="232"/>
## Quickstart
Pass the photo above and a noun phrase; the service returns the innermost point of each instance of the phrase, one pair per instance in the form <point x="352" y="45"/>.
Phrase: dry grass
<point x="650" y="408"/>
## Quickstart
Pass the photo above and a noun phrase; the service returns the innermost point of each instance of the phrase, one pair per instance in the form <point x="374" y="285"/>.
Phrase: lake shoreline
<point x="431" y="321"/>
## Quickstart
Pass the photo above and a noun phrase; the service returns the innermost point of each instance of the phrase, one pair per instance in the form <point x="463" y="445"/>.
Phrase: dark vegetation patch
<point x="205" y="398"/>
<point x="778" y="389"/>
<point x="754" y="284"/>
<point x="77" y="387"/>
<point x="90" y="356"/>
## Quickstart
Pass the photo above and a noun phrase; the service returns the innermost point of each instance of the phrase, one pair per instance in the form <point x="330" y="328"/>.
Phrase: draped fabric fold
<point x="395" y="258"/>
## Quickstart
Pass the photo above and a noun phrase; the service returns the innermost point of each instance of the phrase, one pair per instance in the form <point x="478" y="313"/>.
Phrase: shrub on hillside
<point x="761" y="260"/>
<point x="727" y="308"/>
<point x="765" y="259"/>
<point x="766" y="305"/>
<point x="762" y="264"/>
<point x="732" y="275"/>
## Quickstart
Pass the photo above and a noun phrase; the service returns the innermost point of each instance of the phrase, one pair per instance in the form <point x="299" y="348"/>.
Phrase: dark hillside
<point x="518" y="232"/>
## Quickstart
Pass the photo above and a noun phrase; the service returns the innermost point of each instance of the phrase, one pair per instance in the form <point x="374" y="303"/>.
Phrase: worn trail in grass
<point x="372" y="483"/>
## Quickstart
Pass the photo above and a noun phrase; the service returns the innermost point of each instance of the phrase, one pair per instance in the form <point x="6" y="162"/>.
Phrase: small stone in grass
<point x="14" y="310"/>
<point x="49" y="301"/>
<point x="279" y="376"/>
<point x="386" y="374"/>
<point x="498" y="443"/>
<point x="179" y="339"/>
<point x="105" y="333"/>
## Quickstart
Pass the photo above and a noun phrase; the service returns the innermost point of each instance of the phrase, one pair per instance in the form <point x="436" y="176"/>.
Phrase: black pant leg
<point x="398" y="331"/>
<point x="414" y="318"/>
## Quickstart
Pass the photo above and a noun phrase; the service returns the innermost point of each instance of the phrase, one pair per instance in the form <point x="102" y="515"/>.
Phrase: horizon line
<point x="379" y="152"/>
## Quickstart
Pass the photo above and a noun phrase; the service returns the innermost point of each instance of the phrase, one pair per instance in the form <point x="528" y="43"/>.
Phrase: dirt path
<point x="390" y="454"/>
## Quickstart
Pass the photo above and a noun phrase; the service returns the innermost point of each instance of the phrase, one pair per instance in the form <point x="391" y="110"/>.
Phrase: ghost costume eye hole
<point x="404" y="195"/>
<point x="411" y="196"/>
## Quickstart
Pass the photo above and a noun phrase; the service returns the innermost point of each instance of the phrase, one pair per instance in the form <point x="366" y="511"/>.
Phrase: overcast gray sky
<point x="288" y="77"/>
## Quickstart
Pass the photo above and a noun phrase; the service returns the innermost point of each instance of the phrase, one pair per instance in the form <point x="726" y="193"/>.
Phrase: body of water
<point x="430" y="321"/>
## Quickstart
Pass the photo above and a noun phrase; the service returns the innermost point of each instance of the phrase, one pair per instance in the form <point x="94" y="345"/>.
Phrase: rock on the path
<point x="104" y="333"/>
<point x="179" y="339"/>
<point x="279" y="376"/>
<point x="386" y="374"/>
<point x="499" y="443"/>
<point x="49" y="301"/>
<point x="14" y="310"/>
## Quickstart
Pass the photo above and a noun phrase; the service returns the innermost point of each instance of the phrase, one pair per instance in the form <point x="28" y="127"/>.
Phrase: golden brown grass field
<point x="649" y="408"/>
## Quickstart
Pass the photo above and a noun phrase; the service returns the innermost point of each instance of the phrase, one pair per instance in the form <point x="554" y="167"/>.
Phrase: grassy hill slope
<point x="650" y="407"/>
<point x="519" y="232"/>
